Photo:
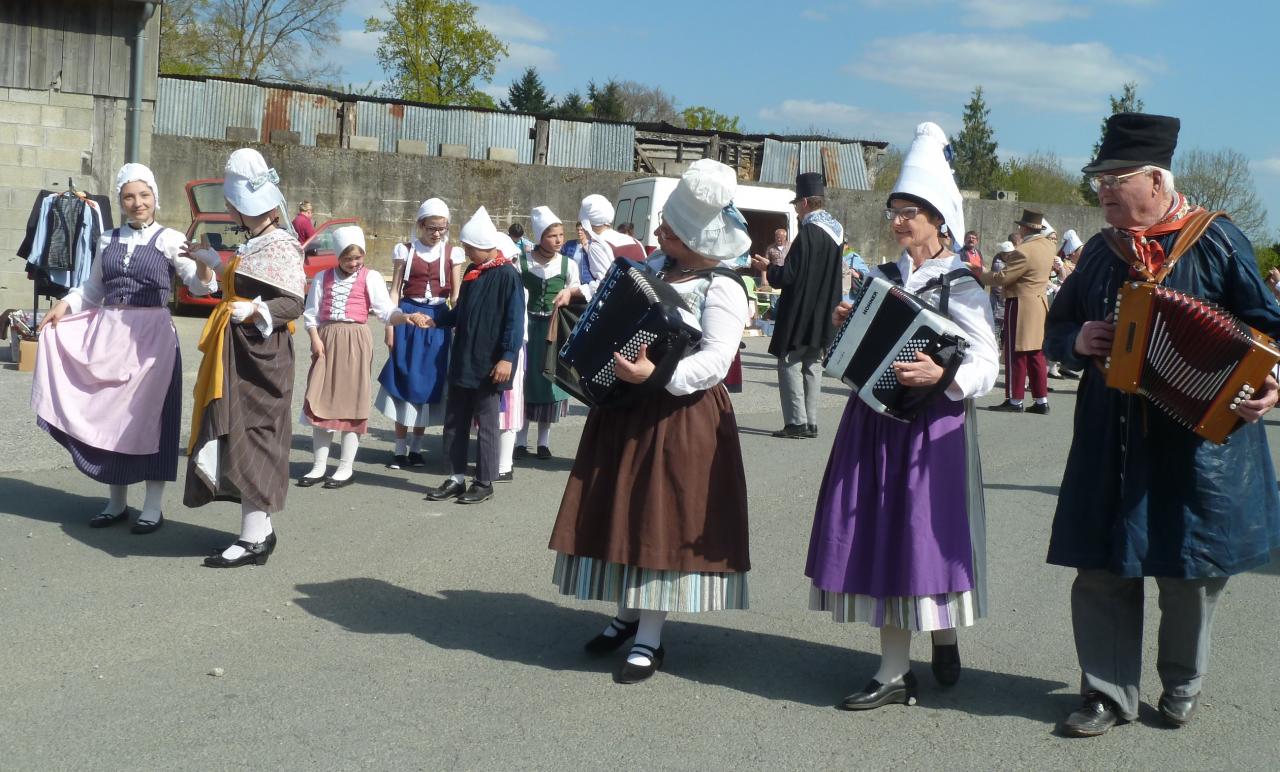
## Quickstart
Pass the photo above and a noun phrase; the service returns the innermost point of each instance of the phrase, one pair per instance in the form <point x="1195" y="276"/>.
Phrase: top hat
<point x="1136" y="139"/>
<point x="1031" y="219"/>
<point x="810" y="184"/>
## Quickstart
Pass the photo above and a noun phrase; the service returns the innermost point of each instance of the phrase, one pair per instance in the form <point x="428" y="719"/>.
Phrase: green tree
<point x="528" y="95"/>
<point x="572" y="105"/>
<point x="1127" y="103"/>
<point x="1039" y="177"/>
<point x="183" y="49"/>
<point x="707" y="119"/>
<point x="974" y="149"/>
<point x="606" y="101"/>
<point x="888" y="167"/>
<point x="647" y="104"/>
<point x="434" y="51"/>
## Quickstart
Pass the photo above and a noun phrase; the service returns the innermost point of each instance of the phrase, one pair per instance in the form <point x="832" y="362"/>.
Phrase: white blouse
<point x="970" y="308"/>
<point x="724" y="315"/>
<point x="376" y="288"/>
<point x="429" y="255"/>
<point x="552" y="270"/>
<point x="170" y="243"/>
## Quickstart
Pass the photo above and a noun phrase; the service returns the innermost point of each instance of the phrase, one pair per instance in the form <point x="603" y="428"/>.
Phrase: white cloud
<point x="521" y="55"/>
<point x="1011" y="14"/>
<point x="800" y="116"/>
<point x="508" y="22"/>
<point x="1269" y="166"/>
<point x="357" y="43"/>
<point x="1073" y="77"/>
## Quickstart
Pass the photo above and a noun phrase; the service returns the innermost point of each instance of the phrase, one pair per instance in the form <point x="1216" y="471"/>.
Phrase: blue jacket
<point x="1141" y="495"/>
<point x="488" y="327"/>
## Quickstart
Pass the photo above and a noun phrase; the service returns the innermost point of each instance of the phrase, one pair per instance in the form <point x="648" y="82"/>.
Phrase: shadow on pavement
<point x="513" y="627"/>
<point x="72" y="511"/>
<point x="1048" y="490"/>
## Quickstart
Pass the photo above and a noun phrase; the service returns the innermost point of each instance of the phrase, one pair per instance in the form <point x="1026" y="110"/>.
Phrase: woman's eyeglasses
<point x="905" y="213"/>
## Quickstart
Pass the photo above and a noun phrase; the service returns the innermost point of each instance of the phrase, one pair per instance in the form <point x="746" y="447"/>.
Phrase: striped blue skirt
<point x="649" y="589"/>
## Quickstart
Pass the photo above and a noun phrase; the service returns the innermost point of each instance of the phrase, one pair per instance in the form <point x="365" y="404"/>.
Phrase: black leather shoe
<point x="506" y="476"/>
<point x="1006" y="407"/>
<point x="1069" y="375"/>
<point x="307" y="482"/>
<point x="1039" y="409"/>
<point x="876" y="695"/>
<point x="634" y="674"/>
<point x="255" y="554"/>
<point x="103" y="520"/>
<point x="398" y="462"/>
<point x="811" y="431"/>
<point x="520" y="453"/>
<point x="449" y="489"/>
<point x="1178" y="711"/>
<point x="791" y="432"/>
<point x="476" y="494"/>
<point x="331" y="483"/>
<point x="544" y="453"/>
<point x="415" y="459"/>
<point x="603" y="644"/>
<point x="1095" y="717"/>
<point x="946" y="664"/>
<point x="147" y="526"/>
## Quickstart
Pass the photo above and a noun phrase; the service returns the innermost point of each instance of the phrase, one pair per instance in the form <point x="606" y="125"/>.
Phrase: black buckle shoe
<point x="255" y="554"/>
<point x="634" y="674"/>
<point x="946" y="664"/>
<point x="1006" y="407"/>
<point x="147" y="526"/>
<point x="1039" y="408"/>
<point x="1178" y="711"/>
<point x="476" y="494"/>
<point x="1095" y="717"/>
<point x="102" y="520"/>
<point x="331" y="483"/>
<point x="603" y="644"/>
<point x="791" y="432"/>
<point x="876" y="695"/>
<point x="307" y="482"/>
<point x="449" y="489"/>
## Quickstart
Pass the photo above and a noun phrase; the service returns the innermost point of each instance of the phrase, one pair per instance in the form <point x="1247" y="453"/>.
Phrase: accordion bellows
<point x="1193" y="360"/>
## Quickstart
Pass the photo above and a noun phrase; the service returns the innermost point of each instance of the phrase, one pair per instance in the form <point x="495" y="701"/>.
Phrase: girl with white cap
<point x="545" y="273"/>
<point x="654" y="516"/>
<point x="428" y="274"/>
<point x="898" y="536"/>
<point x="336" y="315"/>
<point x="240" y="427"/>
<point x="109" y="355"/>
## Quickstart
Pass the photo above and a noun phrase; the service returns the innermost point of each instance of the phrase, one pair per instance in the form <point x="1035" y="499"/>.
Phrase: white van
<point x="639" y="202"/>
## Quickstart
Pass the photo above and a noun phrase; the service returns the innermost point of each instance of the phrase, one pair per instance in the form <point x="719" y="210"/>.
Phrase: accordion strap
<point x="1188" y="235"/>
<point x="945" y="281"/>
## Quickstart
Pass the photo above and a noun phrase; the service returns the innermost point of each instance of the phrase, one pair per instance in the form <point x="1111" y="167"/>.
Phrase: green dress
<point x="544" y="401"/>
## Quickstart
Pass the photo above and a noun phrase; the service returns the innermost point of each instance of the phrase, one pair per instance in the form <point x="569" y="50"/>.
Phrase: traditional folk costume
<point x="545" y="402"/>
<point x="511" y="407"/>
<point x="810" y="281"/>
<point x="607" y="245"/>
<point x="240" y="428"/>
<point x="412" y="383"/>
<point x="898" y="538"/>
<point x="1141" y="495"/>
<point x="488" y="324"/>
<point x="108" y="379"/>
<point x="654" y="516"/>
<point x="1024" y="281"/>
<point x="337" y="398"/>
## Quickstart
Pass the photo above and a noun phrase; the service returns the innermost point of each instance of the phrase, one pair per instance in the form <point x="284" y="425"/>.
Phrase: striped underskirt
<point x="649" y="589"/>
<point x="920" y="613"/>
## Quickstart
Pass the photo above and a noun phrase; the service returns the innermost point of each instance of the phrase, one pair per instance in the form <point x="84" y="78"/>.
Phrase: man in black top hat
<point x="1142" y="495"/>
<point x="810" y="282"/>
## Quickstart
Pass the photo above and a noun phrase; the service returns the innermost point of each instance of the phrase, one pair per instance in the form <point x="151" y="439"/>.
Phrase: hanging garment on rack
<point x="66" y="229"/>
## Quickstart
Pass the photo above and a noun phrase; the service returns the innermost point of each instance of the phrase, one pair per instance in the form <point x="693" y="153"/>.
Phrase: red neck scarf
<point x="475" y="271"/>
<point x="1147" y="249"/>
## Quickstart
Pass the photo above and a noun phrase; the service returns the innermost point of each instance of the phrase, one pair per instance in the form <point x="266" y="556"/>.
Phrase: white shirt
<point x="379" y="299"/>
<point x="600" y="257"/>
<point x="724" y="315"/>
<point x="552" y="270"/>
<point x="170" y="243"/>
<point x="428" y="255"/>
<point x="970" y="308"/>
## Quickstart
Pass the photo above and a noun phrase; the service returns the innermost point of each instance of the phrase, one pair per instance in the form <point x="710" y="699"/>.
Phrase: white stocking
<point x="506" y="450"/>
<point x="320" y="441"/>
<point x="151" y="506"/>
<point x="522" y="437"/>
<point x="649" y="634"/>
<point x="255" y="526"/>
<point x="117" y="499"/>
<point x="895" y="654"/>
<point x="350" y="443"/>
<point x="544" y="434"/>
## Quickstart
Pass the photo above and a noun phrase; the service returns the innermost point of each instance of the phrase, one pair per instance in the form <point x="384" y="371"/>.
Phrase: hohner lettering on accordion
<point x="1192" y="359"/>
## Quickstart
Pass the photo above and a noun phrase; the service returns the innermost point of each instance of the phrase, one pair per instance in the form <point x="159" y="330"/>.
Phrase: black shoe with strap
<point x="147" y="526"/>
<point x="102" y="519"/>
<point x="1095" y="717"/>
<point x="603" y="644"/>
<point x="634" y="674"/>
<point x="876" y="695"/>
<point x="255" y="554"/>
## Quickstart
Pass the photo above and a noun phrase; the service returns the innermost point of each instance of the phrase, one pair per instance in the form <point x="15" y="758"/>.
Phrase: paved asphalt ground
<point x="389" y="632"/>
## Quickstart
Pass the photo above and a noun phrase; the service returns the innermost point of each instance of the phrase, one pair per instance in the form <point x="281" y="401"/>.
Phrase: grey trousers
<point x="799" y="384"/>
<point x="1106" y="613"/>
<point x="461" y="406"/>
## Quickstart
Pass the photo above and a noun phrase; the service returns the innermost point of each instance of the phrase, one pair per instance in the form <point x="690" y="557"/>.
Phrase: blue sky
<point x="874" y="68"/>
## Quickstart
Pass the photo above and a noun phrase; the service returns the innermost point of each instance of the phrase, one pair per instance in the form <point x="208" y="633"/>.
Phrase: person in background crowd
<point x="303" y="225"/>
<point x="810" y="282"/>
<point x="1142" y="495"/>
<point x="516" y="233"/>
<point x="121" y="424"/>
<point x="855" y="270"/>
<point x="997" y="293"/>
<point x="1063" y="265"/>
<point x="606" y="244"/>
<point x="970" y="254"/>
<point x="1024" y="280"/>
<point x="776" y="254"/>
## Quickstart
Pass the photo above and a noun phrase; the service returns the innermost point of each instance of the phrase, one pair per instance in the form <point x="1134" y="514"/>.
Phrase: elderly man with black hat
<point x="810" y="282"/>
<point x="1024" y="280"/>
<point x="1142" y="495"/>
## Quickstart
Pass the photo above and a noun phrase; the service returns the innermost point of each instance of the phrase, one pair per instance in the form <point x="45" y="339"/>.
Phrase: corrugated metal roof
<point x="591" y="145"/>
<point x="192" y="108"/>
<point x="307" y="114"/>
<point x="479" y="131"/>
<point x="842" y="163"/>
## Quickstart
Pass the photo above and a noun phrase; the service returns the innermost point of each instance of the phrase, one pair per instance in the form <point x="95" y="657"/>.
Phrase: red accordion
<point x="1193" y="360"/>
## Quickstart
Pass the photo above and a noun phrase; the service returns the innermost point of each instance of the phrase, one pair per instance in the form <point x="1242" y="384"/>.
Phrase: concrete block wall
<point x="47" y="137"/>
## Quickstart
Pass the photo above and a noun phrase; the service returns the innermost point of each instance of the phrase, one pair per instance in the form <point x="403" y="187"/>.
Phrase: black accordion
<point x="1192" y="359"/>
<point x="631" y="307"/>
<point x="887" y="325"/>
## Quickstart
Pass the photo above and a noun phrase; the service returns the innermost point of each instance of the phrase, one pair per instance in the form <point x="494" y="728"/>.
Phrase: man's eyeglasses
<point x="1100" y="181"/>
<point x="905" y="213"/>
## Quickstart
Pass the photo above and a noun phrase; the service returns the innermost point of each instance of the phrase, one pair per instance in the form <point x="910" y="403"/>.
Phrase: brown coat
<point x="1025" y="278"/>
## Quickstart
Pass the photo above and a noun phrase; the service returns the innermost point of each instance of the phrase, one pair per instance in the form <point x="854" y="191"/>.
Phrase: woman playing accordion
<point x="898" y="535"/>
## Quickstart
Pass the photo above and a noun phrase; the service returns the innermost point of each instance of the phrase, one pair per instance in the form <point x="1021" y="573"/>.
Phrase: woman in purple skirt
<point x="898" y="537"/>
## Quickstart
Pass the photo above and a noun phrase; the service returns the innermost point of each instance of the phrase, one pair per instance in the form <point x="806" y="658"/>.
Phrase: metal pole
<point x="133" y="118"/>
